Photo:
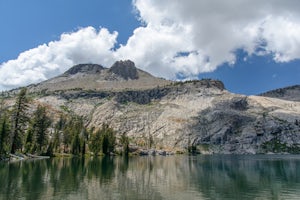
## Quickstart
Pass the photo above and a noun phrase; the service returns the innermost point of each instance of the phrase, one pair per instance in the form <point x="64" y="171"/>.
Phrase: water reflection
<point x="175" y="177"/>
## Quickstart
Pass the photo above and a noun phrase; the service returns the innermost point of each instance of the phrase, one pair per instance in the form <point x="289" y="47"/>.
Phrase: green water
<point x="173" y="177"/>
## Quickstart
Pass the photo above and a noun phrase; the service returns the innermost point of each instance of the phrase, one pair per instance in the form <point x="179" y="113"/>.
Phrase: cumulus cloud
<point x="176" y="37"/>
<point x="191" y="37"/>
<point x="87" y="45"/>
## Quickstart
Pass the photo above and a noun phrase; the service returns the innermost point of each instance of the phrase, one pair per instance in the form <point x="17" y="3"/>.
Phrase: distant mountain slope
<point x="122" y="75"/>
<point x="291" y="93"/>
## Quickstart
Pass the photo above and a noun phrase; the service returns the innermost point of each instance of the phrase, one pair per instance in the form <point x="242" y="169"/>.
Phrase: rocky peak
<point x="291" y="93"/>
<point x="125" y="69"/>
<point x="84" y="68"/>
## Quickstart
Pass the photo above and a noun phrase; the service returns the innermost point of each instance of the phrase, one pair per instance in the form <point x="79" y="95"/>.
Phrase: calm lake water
<point x="171" y="177"/>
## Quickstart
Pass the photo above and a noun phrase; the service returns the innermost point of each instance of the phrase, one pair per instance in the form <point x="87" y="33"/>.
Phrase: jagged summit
<point x="123" y="75"/>
<point x="126" y="69"/>
<point x="85" y="68"/>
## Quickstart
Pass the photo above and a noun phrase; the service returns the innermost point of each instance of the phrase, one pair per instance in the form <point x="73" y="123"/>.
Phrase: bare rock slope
<point x="200" y="115"/>
<point x="122" y="75"/>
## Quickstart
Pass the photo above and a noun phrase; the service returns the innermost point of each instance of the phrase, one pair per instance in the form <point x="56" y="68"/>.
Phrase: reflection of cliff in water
<point x="175" y="177"/>
<point x="246" y="177"/>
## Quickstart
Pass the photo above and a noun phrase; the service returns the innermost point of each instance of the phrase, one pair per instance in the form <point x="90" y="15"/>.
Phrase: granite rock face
<point x="247" y="129"/>
<point x="201" y="116"/>
<point x="184" y="115"/>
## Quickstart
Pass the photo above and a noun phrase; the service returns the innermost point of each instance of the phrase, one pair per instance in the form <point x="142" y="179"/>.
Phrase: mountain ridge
<point x="199" y="115"/>
<point x="84" y="68"/>
<point x="122" y="75"/>
<point x="291" y="93"/>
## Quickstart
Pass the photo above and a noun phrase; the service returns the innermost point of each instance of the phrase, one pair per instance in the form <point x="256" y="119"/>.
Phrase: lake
<point x="154" y="177"/>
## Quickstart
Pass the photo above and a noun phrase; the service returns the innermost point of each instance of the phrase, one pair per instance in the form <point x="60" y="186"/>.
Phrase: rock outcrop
<point x="84" y="68"/>
<point x="291" y="93"/>
<point x="125" y="69"/>
<point x="244" y="125"/>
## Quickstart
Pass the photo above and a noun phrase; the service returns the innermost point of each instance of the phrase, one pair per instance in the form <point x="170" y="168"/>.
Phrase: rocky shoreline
<point x="21" y="157"/>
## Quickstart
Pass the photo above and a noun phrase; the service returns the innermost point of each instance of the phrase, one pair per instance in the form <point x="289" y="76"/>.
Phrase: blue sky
<point x="27" y="24"/>
<point x="251" y="50"/>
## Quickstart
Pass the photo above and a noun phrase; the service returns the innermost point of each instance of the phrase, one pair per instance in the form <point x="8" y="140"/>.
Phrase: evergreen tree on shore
<point x="40" y="123"/>
<point x="4" y="135"/>
<point x="19" y="121"/>
<point x="95" y="144"/>
<point x="104" y="139"/>
<point x="124" y="140"/>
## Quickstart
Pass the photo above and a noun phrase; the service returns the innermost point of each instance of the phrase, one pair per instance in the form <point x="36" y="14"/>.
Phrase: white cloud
<point x="87" y="45"/>
<point x="177" y="37"/>
<point x="212" y="30"/>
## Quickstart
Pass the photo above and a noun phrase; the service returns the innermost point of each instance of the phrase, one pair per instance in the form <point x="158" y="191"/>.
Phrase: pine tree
<point x="95" y="144"/>
<point x="108" y="139"/>
<point x="76" y="149"/>
<point x="83" y="139"/>
<point x="124" y="140"/>
<point x="19" y="120"/>
<point x="40" y="124"/>
<point x="4" y="135"/>
<point x="74" y="135"/>
<point x="29" y="143"/>
<point x="58" y="132"/>
<point x="56" y="140"/>
<point x="67" y="138"/>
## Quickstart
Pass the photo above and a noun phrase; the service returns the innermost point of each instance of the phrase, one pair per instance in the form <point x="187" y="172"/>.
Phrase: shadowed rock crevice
<point x="142" y="97"/>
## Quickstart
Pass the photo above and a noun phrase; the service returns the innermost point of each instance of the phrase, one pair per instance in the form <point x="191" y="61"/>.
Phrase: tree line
<point x="24" y="131"/>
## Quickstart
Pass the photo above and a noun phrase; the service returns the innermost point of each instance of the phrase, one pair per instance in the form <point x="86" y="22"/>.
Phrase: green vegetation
<point x="104" y="139"/>
<point x="19" y="121"/>
<point x="4" y="135"/>
<point x="192" y="149"/>
<point x="34" y="131"/>
<point x="124" y="140"/>
<point x="38" y="127"/>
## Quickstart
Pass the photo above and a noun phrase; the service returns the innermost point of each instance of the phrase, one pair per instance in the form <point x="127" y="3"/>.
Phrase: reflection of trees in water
<point x="174" y="177"/>
<point x="18" y="180"/>
<point x="137" y="181"/>
<point x="120" y="178"/>
<point x="33" y="179"/>
<point x="67" y="175"/>
<point x="10" y="187"/>
<point x="102" y="168"/>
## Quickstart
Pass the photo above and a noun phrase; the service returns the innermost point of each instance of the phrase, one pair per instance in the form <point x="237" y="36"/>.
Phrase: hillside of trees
<point x="23" y="131"/>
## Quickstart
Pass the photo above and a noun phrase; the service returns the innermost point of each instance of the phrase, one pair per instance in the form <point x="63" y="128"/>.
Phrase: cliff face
<point x="198" y="115"/>
<point x="247" y="125"/>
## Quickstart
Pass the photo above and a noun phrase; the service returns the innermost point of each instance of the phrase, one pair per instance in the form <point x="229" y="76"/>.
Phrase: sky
<point x="251" y="45"/>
